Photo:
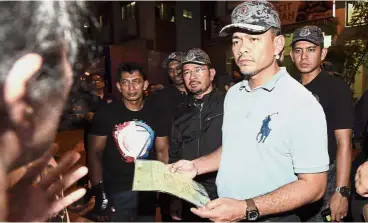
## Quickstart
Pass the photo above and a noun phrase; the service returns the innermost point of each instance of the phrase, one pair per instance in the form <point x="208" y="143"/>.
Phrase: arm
<point x="307" y="189"/>
<point x="162" y="149"/>
<point x="343" y="156"/>
<point x="208" y="163"/>
<point x="94" y="156"/>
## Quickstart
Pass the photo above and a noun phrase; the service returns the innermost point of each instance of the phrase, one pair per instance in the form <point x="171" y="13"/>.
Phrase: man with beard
<point x="121" y="132"/>
<point x="274" y="155"/>
<point x="197" y="131"/>
<point x="39" y="45"/>
<point x="336" y="99"/>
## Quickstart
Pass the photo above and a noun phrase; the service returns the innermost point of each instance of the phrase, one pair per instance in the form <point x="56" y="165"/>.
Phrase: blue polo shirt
<point x="270" y="134"/>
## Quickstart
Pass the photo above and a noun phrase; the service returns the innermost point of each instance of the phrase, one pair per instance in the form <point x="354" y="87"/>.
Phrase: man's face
<point x="253" y="53"/>
<point x="132" y="86"/>
<point x="33" y="133"/>
<point x="97" y="82"/>
<point x="198" y="78"/>
<point x="175" y="72"/>
<point x="307" y="56"/>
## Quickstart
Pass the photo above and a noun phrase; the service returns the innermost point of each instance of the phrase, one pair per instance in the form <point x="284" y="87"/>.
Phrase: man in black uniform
<point x="335" y="97"/>
<point x="197" y="131"/>
<point x="169" y="100"/>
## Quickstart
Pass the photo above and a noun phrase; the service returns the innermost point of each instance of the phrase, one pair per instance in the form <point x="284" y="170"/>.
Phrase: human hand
<point x="176" y="208"/>
<point x="338" y="206"/>
<point x="361" y="180"/>
<point x="185" y="167"/>
<point x="103" y="208"/>
<point x="222" y="210"/>
<point x="34" y="199"/>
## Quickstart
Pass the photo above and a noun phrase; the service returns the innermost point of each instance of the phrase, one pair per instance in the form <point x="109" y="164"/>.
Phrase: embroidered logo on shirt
<point x="265" y="129"/>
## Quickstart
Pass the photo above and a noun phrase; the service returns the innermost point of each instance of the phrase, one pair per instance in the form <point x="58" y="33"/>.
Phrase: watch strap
<point x="251" y="205"/>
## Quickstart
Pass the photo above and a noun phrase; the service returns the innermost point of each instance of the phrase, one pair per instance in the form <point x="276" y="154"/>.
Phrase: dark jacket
<point x="197" y="132"/>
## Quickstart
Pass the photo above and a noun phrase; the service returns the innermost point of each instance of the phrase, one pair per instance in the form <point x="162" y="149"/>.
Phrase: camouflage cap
<point x="311" y="34"/>
<point x="178" y="56"/>
<point x="196" y="56"/>
<point x="254" y="16"/>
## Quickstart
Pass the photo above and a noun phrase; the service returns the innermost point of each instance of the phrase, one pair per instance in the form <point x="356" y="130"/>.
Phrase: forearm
<point x="163" y="156"/>
<point x="95" y="167"/>
<point x="209" y="163"/>
<point x="291" y="196"/>
<point x="343" y="165"/>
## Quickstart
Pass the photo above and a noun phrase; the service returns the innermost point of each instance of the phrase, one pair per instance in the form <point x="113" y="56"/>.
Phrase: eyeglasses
<point x="133" y="82"/>
<point x="197" y="71"/>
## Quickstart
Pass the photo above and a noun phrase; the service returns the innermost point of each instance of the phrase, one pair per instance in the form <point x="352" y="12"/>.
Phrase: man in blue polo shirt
<point x="274" y="155"/>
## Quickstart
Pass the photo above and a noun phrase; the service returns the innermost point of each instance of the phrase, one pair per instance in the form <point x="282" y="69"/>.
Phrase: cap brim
<point x="167" y="61"/>
<point x="195" y="62"/>
<point x="304" y="39"/>
<point x="226" y="30"/>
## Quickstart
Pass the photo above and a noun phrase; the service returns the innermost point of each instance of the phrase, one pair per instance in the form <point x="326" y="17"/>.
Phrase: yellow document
<point x="150" y="175"/>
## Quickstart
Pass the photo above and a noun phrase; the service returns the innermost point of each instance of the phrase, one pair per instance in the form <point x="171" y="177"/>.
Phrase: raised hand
<point x="31" y="199"/>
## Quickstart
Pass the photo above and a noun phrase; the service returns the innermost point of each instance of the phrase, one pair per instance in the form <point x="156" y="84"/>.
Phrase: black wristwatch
<point x="344" y="191"/>
<point x="252" y="213"/>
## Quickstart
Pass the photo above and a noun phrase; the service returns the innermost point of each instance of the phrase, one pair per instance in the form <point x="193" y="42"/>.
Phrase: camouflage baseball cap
<point x="254" y="16"/>
<point x="196" y="56"/>
<point x="311" y="34"/>
<point x="178" y="56"/>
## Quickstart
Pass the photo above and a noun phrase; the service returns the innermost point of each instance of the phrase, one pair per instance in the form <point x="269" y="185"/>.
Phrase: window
<point x="187" y="14"/>
<point x="165" y="11"/>
<point x="128" y="11"/>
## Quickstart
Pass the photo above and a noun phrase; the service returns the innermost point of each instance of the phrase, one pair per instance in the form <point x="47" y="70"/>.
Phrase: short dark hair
<point x="130" y="68"/>
<point x="45" y="28"/>
<point x="275" y="31"/>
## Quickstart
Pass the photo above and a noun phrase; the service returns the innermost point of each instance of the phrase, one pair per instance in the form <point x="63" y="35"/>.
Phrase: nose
<point x="244" y="47"/>
<point x="131" y="86"/>
<point x="304" y="55"/>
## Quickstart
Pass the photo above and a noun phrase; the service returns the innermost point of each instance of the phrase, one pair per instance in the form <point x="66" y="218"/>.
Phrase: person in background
<point x="197" y="132"/>
<point x="120" y="133"/>
<point x="336" y="98"/>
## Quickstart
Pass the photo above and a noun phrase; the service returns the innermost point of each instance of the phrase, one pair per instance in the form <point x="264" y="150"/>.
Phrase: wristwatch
<point x="344" y="191"/>
<point x="251" y="213"/>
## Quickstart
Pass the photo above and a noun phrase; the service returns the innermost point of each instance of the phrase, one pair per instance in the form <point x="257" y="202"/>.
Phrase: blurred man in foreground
<point x="39" y="43"/>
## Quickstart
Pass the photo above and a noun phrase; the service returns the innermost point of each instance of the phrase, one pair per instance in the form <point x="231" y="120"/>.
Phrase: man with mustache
<point x="273" y="157"/>
<point x="197" y="132"/>
<point x="335" y="97"/>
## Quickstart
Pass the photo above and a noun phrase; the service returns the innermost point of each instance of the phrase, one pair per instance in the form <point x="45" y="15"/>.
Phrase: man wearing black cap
<point x="335" y="97"/>
<point x="170" y="100"/>
<point x="274" y="154"/>
<point x="172" y="97"/>
<point x="197" y="132"/>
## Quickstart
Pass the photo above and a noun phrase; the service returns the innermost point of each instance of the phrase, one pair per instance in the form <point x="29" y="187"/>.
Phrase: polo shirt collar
<point x="269" y="86"/>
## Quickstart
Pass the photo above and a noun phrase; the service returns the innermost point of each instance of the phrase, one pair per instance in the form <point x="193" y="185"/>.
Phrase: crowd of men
<point x="272" y="149"/>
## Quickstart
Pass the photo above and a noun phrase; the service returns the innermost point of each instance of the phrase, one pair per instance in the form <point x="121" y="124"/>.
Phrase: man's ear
<point x="279" y="43"/>
<point x="324" y="53"/>
<point x="15" y="86"/>
<point x="146" y="83"/>
<point x="118" y="86"/>
<point x="212" y="74"/>
<point x="23" y="69"/>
